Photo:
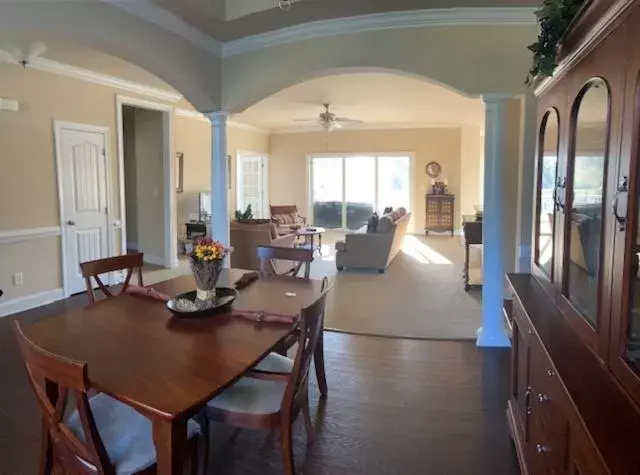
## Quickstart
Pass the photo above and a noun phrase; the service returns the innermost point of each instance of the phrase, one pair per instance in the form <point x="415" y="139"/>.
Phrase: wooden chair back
<point x="297" y="256"/>
<point x="311" y="327"/>
<point x="53" y="378"/>
<point x="130" y="262"/>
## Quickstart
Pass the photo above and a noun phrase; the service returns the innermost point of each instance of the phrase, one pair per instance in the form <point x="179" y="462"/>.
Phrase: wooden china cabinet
<point x="575" y="401"/>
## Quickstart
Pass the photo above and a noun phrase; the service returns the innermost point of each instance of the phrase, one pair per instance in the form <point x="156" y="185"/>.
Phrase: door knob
<point x="71" y="223"/>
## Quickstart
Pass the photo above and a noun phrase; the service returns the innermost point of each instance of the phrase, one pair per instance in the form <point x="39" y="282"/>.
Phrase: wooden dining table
<point x="168" y="368"/>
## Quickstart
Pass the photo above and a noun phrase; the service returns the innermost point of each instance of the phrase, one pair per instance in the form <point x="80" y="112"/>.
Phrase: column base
<point x="492" y="339"/>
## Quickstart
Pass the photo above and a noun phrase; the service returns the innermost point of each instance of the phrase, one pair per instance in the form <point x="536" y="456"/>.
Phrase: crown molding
<point x="149" y="11"/>
<point x="364" y="127"/>
<point x="380" y="21"/>
<point x="48" y="65"/>
<point x="230" y="123"/>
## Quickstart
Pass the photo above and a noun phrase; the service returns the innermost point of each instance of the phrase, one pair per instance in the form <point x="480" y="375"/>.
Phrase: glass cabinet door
<point x="585" y="200"/>
<point x="546" y="201"/>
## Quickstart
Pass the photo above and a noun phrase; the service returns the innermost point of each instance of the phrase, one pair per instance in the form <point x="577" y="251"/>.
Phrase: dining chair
<point x="272" y="397"/>
<point x="130" y="262"/>
<point x="101" y="435"/>
<point x="299" y="256"/>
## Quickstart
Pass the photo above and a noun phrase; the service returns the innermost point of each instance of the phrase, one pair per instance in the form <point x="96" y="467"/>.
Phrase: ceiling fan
<point x="329" y="121"/>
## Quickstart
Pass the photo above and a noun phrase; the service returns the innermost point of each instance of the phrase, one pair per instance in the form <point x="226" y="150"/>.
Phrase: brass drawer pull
<point x="551" y="373"/>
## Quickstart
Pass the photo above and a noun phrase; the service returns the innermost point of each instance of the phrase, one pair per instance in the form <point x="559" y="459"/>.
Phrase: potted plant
<point x="244" y="216"/>
<point x="554" y="17"/>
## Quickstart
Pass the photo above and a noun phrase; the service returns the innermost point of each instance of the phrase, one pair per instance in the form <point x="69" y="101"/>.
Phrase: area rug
<point x="421" y="295"/>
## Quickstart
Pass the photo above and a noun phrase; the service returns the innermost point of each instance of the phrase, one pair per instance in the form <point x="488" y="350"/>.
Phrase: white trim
<point x="21" y="304"/>
<point x="379" y="21"/>
<point x="169" y="196"/>
<point x="191" y="114"/>
<point x="58" y="126"/>
<point x="230" y="123"/>
<point x="48" y="65"/>
<point x="20" y="235"/>
<point x="164" y="18"/>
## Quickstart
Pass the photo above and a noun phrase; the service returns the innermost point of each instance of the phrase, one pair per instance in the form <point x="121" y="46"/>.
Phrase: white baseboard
<point x="28" y="302"/>
<point x="156" y="260"/>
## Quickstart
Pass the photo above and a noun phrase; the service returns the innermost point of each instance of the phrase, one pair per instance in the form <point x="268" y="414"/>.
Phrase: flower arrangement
<point x="206" y="264"/>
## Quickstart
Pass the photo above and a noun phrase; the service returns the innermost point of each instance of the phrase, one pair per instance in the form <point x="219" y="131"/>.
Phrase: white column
<point x="492" y="332"/>
<point x="219" y="179"/>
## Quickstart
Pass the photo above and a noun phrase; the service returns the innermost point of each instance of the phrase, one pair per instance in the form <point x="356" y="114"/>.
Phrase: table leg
<point x="170" y="438"/>
<point x="320" y="244"/>
<point x="318" y="360"/>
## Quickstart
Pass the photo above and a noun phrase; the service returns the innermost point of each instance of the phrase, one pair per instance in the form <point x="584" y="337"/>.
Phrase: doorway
<point x="252" y="183"/>
<point x="345" y="190"/>
<point x="147" y="182"/>
<point x="83" y="190"/>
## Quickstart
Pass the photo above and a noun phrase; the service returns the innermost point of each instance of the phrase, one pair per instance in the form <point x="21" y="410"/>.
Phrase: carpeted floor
<point x="420" y="296"/>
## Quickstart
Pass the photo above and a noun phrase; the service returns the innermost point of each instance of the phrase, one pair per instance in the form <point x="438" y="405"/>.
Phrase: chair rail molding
<point x="20" y="235"/>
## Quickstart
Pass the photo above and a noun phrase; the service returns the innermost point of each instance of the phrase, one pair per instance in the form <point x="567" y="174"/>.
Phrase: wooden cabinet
<point x="580" y="412"/>
<point x="439" y="213"/>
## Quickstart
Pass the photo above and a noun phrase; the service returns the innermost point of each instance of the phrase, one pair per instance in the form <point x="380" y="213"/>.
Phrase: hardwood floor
<point x="394" y="407"/>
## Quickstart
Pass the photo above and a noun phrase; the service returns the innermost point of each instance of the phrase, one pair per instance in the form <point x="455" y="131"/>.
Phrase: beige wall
<point x="288" y="173"/>
<point x="193" y="138"/>
<point x="150" y="184"/>
<point x="28" y="185"/>
<point x="472" y="155"/>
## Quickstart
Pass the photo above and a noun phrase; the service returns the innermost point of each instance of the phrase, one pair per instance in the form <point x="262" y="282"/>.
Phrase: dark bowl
<point x="198" y="308"/>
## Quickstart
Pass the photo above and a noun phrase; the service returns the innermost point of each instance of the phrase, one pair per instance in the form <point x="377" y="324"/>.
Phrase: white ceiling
<point x="379" y="99"/>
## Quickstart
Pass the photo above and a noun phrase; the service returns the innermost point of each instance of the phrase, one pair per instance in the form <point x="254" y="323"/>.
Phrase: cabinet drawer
<point x="547" y="454"/>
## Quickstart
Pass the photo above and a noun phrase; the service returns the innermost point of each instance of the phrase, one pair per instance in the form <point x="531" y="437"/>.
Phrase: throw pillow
<point x="282" y="219"/>
<point x="372" y="224"/>
<point x="385" y="224"/>
<point x="387" y="210"/>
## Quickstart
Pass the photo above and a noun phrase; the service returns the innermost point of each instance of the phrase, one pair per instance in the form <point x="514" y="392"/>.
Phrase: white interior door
<point x="83" y="208"/>
<point x="252" y="184"/>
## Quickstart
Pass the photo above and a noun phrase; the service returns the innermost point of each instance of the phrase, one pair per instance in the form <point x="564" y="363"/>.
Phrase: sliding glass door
<point x="327" y="192"/>
<point x="347" y="189"/>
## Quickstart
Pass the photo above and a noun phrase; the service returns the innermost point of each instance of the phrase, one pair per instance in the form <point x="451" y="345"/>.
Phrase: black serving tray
<point x="224" y="298"/>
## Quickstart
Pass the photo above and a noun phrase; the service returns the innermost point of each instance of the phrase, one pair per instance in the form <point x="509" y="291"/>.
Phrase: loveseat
<point x="374" y="250"/>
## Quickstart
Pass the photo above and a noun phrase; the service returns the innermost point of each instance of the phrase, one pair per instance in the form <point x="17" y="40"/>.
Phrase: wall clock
<point x="433" y="169"/>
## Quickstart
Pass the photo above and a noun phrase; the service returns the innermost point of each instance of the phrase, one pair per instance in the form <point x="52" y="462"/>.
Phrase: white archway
<point x="471" y="60"/>
<point x="191" y="70"/>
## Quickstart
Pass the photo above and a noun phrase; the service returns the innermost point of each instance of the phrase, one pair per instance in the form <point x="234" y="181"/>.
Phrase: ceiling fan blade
<point x="346" y="120"/>
<point x="305" y="120"/>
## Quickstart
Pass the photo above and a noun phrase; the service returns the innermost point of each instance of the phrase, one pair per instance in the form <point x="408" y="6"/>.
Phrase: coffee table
<point x="309" y="233"/>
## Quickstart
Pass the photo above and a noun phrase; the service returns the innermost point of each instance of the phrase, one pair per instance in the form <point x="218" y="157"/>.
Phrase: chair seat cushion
<point x="126" y="434"/>
<point x="256" y="396"/>
<point x="275" y="363"/>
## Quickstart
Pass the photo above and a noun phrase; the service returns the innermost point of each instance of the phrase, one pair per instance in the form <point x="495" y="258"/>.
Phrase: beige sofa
<point x="374" y="250"/>
<point x="246" y="237"/>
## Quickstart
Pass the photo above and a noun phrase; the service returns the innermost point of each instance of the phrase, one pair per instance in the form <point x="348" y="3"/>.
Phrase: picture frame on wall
<point x="179" y="172"/>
